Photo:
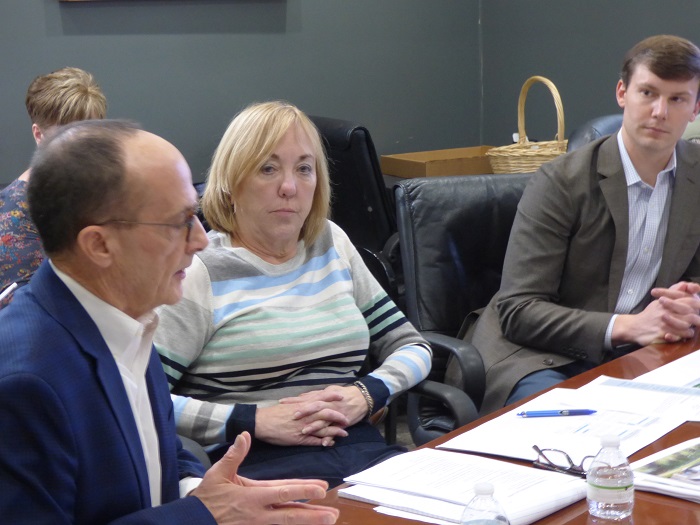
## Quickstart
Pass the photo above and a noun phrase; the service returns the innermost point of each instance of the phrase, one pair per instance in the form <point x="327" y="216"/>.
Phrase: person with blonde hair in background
<point x="61" y="97"/>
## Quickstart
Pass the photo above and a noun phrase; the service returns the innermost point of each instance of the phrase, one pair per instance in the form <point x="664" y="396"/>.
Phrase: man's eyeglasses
<point x="560" y="461"/>
<point x="188" y="224"/>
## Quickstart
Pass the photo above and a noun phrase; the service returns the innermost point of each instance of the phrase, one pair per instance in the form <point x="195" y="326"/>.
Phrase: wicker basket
<point x="525" y="156"/>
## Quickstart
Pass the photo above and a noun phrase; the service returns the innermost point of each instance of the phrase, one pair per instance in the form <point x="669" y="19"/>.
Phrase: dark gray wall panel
<point x="578" y="45"/>
<point x="407" y="69"/>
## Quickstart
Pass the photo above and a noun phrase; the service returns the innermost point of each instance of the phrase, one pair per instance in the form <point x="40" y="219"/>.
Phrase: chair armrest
<point x="467" y="358"/>
<point x="196" y="449"/>
<point x="455" y="400"/>
<point x="434" y="407"/>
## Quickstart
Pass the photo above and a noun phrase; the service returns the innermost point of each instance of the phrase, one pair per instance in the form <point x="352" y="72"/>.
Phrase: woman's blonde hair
<point x="247" y="144"/>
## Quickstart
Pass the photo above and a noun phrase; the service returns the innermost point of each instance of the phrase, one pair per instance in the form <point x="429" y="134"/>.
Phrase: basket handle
<point x="521" y="108"/>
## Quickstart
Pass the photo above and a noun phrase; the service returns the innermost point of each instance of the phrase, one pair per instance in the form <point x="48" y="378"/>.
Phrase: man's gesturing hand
<point x="235" y="500"/>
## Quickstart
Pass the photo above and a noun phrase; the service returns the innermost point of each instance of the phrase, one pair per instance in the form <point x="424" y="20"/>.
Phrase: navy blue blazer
<point x="70" y="452"/>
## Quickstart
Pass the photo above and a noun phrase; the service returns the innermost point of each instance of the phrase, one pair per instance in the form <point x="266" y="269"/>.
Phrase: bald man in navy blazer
<point x="87" y="432"/>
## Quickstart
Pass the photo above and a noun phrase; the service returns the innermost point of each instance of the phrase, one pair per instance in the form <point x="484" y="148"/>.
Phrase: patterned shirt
<point x="21" y="252"/>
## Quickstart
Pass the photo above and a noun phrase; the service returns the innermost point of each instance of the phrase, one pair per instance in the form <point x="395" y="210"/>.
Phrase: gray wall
<point x="420" y="74"/>
<point x="578" y="45"/>
<point x="407" y="69"/>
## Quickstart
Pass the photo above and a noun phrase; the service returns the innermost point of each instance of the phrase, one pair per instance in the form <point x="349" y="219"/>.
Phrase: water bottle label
<point x="610" y="494"/>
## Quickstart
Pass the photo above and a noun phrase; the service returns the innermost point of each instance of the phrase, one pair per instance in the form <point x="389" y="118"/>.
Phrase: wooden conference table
<point x="649" y="508"/>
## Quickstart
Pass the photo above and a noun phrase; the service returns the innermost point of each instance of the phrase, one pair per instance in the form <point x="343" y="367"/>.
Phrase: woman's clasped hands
<point x="313" y="418"/>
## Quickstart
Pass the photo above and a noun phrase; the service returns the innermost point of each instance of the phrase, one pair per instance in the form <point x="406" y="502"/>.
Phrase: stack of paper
<point x="674" y="471"/>
<point x="637" y="412"/>
<point x="434" y="485"/>
<point x="683" y="372"/>
<point x="437" y="483"/>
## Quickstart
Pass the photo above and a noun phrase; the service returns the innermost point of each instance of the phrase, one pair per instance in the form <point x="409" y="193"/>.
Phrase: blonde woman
<point x="282" y="330"/>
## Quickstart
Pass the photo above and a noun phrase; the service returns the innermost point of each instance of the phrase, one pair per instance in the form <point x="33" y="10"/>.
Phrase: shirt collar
<point x="631" y="174"/>
<point x="121" y="333"/>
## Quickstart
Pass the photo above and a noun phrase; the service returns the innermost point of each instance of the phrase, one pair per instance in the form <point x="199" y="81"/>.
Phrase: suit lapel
<point x="62" y="305"/>
<point x="614" y="187"/>
<point x="682" y="216"/>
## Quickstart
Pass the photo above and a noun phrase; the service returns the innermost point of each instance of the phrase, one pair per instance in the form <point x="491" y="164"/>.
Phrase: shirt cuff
<point x="607" y="344"/>
<point x="188" y="484"/>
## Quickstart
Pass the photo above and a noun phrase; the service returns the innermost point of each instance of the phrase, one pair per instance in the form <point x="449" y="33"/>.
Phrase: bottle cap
<point x="610" y="441"/>
<point x="483" y="489"/>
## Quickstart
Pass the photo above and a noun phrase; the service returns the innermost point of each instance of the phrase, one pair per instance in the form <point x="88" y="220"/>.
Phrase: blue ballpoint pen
<point x="555" y="413"/>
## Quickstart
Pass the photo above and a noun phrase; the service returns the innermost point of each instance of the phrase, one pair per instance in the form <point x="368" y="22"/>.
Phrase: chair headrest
<point x="593" y="130"/>
<point x="336" y="133"/>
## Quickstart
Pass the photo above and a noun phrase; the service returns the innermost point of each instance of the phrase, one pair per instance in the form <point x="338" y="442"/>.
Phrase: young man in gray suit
<point x="604" y="252"/>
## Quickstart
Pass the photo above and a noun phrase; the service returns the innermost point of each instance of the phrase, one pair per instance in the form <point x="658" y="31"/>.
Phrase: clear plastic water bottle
<point x="610" y="481"/>
<point x="483" y="509"/>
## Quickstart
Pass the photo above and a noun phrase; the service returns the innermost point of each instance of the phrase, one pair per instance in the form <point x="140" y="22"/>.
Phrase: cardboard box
<point x="456" y="161"/>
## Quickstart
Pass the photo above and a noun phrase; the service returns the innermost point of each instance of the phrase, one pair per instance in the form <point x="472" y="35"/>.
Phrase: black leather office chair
<point x="361" y="203"/>
<point x="199" y="188"/>
<point x="196" y="449"/>
<point x="453" y="234"/>
<point x="594" y="129"/>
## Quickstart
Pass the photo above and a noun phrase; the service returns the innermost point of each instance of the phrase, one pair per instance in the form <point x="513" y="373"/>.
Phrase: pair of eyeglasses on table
<point x="559" y="461"/>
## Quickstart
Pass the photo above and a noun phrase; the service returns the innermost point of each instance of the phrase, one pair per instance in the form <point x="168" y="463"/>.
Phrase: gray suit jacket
<point x="565" y="262"/>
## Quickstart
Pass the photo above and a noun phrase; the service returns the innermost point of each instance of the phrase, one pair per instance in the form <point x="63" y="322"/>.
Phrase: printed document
<point x="638" y="414"/>
<point x="437" y="484"/>
<point x="684" y="371"/>
<point x="674" y="471"/>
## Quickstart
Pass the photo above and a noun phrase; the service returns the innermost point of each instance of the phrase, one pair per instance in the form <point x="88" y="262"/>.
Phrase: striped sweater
<point x="248" y="333"/>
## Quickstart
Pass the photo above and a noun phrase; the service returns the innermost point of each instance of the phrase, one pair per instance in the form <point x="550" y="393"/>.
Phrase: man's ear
<point x="95" y="243"/>
<point x="37" y="133"/>
<point x="620" y="92"/>
<point x="695" y="112"/>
